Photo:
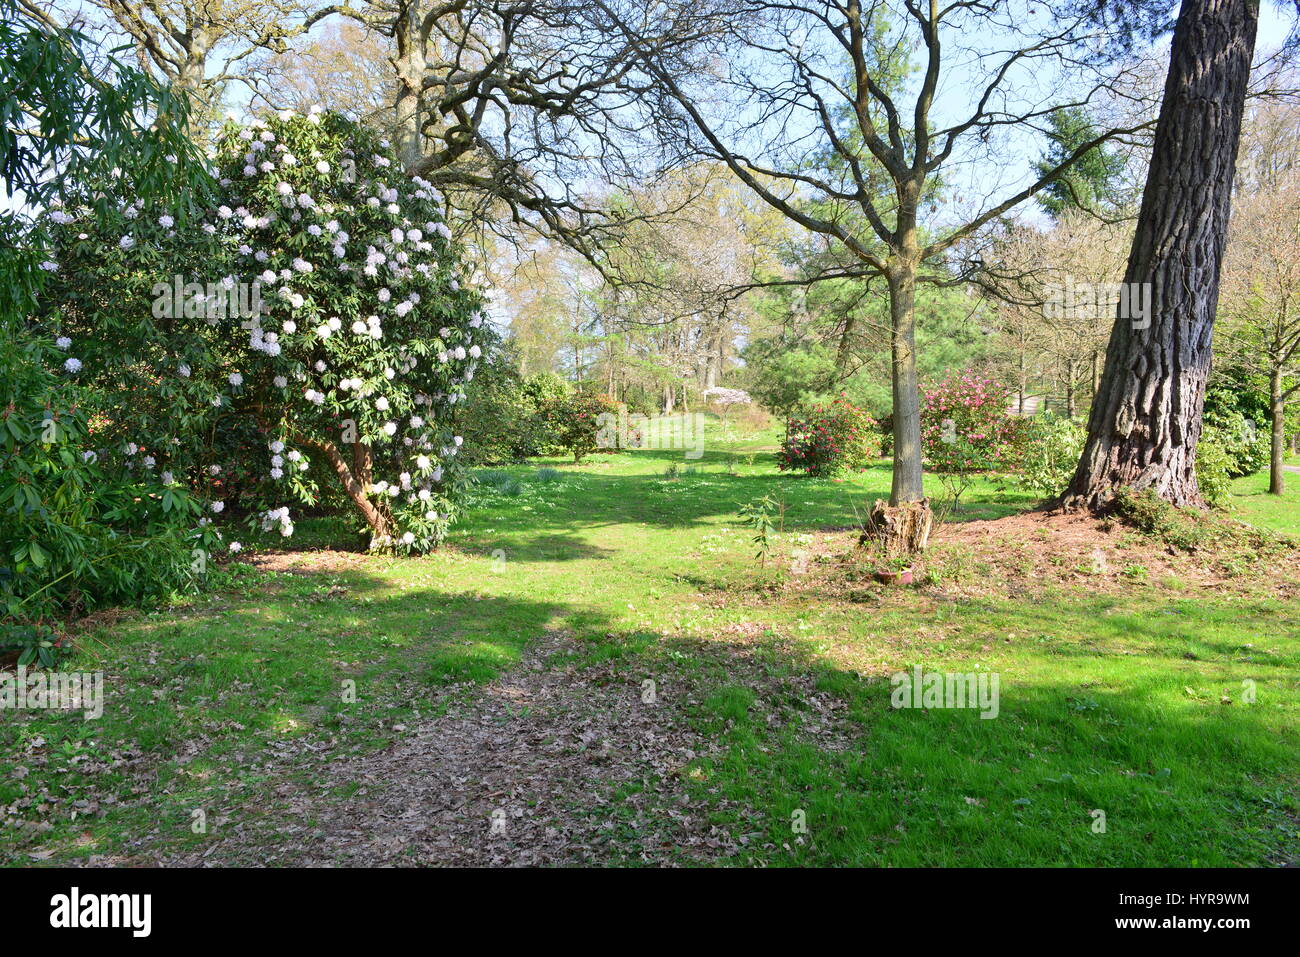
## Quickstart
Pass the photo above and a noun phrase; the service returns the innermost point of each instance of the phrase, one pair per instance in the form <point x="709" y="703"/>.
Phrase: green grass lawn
<point x="1252" y="503"/>
<point x="1171" y="709"/>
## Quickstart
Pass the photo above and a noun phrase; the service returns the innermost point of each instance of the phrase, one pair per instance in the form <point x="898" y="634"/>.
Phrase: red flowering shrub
<point x="576" y="419"/>
<point x="831" y="439"/>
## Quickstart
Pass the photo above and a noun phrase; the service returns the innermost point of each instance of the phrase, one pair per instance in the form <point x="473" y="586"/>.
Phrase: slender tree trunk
<point x="356" y="483"/>
<point x="577" y="350"/>
<point x="907" y="484"/>
<point x="1277" y="406"/>
<point x="1024" y="382"/>
<point x="1146" y="417"/>
<point x="844" y="350"/>
<point x="713" y="361"/>
<point x="1070" y="407"/>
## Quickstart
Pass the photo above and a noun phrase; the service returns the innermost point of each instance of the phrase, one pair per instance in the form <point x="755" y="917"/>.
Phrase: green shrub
<point x="1214" y="466"/>
<point x="1049" y="455"/>
<point x="1152" y="515"/>
<point x="76" y="533"/>
<point x="1246" y="446"/>
<point x="1190" y="529"/>
<point x="541" y="420"/>
<point x="503" y="482"/>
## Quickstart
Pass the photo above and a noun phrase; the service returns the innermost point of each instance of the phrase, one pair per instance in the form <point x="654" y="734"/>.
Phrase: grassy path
<point x="598" y="671"/>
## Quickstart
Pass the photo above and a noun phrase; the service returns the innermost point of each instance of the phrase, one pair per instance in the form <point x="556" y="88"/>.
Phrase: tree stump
<point x="898" y="530"/>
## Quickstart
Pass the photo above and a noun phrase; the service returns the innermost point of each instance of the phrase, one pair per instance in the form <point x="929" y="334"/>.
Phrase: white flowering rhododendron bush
<point x="304" y="339"/>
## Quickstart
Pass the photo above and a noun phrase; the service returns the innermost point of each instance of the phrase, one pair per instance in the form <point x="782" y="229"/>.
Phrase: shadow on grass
<point x="205" y="700"/>
<point x="1178" y="781"/>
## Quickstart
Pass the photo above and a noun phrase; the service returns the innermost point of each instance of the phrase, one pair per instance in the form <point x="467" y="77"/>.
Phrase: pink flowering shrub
<point x="966" y="427"/>
<point x="831" y="439"/>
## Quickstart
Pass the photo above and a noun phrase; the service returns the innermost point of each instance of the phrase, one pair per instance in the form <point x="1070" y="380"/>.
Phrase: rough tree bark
<point x="898" y="530"/>
<point x="1146" y="416"/>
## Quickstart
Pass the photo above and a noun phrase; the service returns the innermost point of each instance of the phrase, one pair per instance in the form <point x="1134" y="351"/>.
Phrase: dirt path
<point x="520" y="775"/>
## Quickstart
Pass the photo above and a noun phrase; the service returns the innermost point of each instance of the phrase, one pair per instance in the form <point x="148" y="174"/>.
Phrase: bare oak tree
<point x="198" y="46"/>
<point x="522" y="112"/>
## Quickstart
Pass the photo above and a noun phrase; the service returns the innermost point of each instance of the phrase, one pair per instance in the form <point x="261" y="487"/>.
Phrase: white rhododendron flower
<point x="375" y="229"/>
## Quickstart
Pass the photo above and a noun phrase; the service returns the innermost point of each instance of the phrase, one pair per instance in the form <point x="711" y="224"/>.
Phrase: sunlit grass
<point x="1134" y="704"/>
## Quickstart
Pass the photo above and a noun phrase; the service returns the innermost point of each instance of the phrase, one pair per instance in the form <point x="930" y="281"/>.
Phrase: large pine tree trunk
<point x="1146" y="417"/>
